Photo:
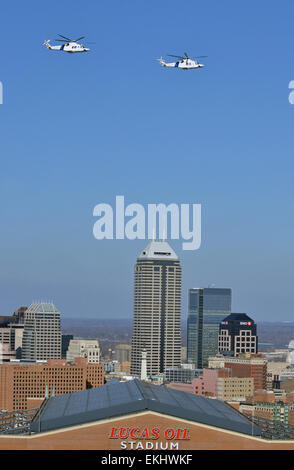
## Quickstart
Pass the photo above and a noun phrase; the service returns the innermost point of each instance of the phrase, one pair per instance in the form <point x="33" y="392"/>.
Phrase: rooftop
<point x="42" y="307"/>
<point x="238" y="317"/>
<point x="158" y="250"/>
<point x="122" y="398"/>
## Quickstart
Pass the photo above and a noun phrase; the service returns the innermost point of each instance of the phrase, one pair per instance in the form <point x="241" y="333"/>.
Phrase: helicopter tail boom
<point x="166" y="64"/>
<point x="46" y="43"/>
<point x="161" y="61"/>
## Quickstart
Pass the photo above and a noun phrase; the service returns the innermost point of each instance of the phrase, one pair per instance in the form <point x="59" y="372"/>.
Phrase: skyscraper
<point x="237" y="335"/>
<point x="42" y="333"/>
<point x="123" y="353"/>
<point x="207" y="307"/>
<point x="157" y="309"/>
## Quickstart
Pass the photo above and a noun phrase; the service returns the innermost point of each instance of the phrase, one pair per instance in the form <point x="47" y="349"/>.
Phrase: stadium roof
<point x="121" y="398"/>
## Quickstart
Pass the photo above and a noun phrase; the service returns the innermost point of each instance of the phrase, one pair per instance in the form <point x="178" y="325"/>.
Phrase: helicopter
<point x="185" y="63"/>
<point x="70" y="45"/>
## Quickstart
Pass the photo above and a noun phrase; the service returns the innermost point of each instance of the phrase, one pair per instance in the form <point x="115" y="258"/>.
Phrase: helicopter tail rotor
<point x="161" y="61"/>
<point x="46" y="43"/>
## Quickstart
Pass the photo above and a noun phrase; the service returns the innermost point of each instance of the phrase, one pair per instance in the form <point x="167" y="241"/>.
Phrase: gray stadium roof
<point x="121" y="398"/>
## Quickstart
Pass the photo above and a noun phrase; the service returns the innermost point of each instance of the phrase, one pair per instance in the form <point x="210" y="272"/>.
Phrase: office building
<point x="65" y="340"/>
<point x="111" y="366"/>
<point x="17" y="317"/>
<point x="11" y="340"/>
<point x="88" y="348"/>
<point x="207" y="307"/>
<point x="42" y="333"/>
<point x="244" y="365"/>
<point x="157" y="309"/>
<point x="6" y="354"/>
<point x="218" y="383"/>
<point x="234" y="388"/>
<point x="237" y="335"/>
<point x="123" y="353"/>
<point x="21" y="381"/>
<point x="180" y="374"/>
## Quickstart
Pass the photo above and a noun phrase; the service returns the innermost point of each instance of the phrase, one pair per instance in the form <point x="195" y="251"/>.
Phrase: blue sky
<point x="77" y="130"/>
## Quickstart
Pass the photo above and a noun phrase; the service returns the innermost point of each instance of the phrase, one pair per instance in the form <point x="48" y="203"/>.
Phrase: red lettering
<point x="155" y="433"/>
<point x="178" y="436"/>
<point x="113" y="434"/>
<point x="186" y="434"/>
<point x="169" y="433"/>
<point x="133" y="430"/>
<point x="145" y="434"/>
<point x="124" y="433"/>
<point x="182" y="434"/>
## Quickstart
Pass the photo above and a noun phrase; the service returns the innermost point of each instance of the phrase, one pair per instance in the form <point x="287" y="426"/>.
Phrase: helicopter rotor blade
<point x="76" y="40"/>
<point x="64" y="37"/>
<point x="177" y="56"/>
<point x="200" y="56"/>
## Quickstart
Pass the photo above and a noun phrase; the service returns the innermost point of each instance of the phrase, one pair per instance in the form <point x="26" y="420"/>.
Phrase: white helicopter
<point x="71" y="45"/>
<point x="186" y="63"/>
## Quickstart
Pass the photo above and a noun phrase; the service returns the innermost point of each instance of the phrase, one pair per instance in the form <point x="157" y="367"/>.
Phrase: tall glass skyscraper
<point x="207" y="307"/>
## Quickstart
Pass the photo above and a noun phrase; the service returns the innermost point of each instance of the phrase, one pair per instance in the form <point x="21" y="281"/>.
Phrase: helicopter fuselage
<point x="188" y="64"/>
<point x="70" y="47"/>
<point x="185" y="64"/>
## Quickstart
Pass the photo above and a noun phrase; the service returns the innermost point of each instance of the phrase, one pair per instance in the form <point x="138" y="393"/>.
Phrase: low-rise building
<point x="11" y="340"/>
<point x="181" y="374"/>
<point x="111" y="366"/>
<point x="274" y="414"/>
<point x="218" y="383"/>
<point x="20" y="381"/>
<point x="88" y="348"/>
<point x="244" y="365"/>
<point x="234" y="388"/>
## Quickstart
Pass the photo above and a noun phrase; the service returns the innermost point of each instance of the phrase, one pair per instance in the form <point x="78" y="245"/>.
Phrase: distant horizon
<point x="131" y="318"/>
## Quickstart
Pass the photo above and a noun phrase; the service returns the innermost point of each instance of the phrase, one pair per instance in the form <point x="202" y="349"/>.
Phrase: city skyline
<point x="146" y="235"/>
